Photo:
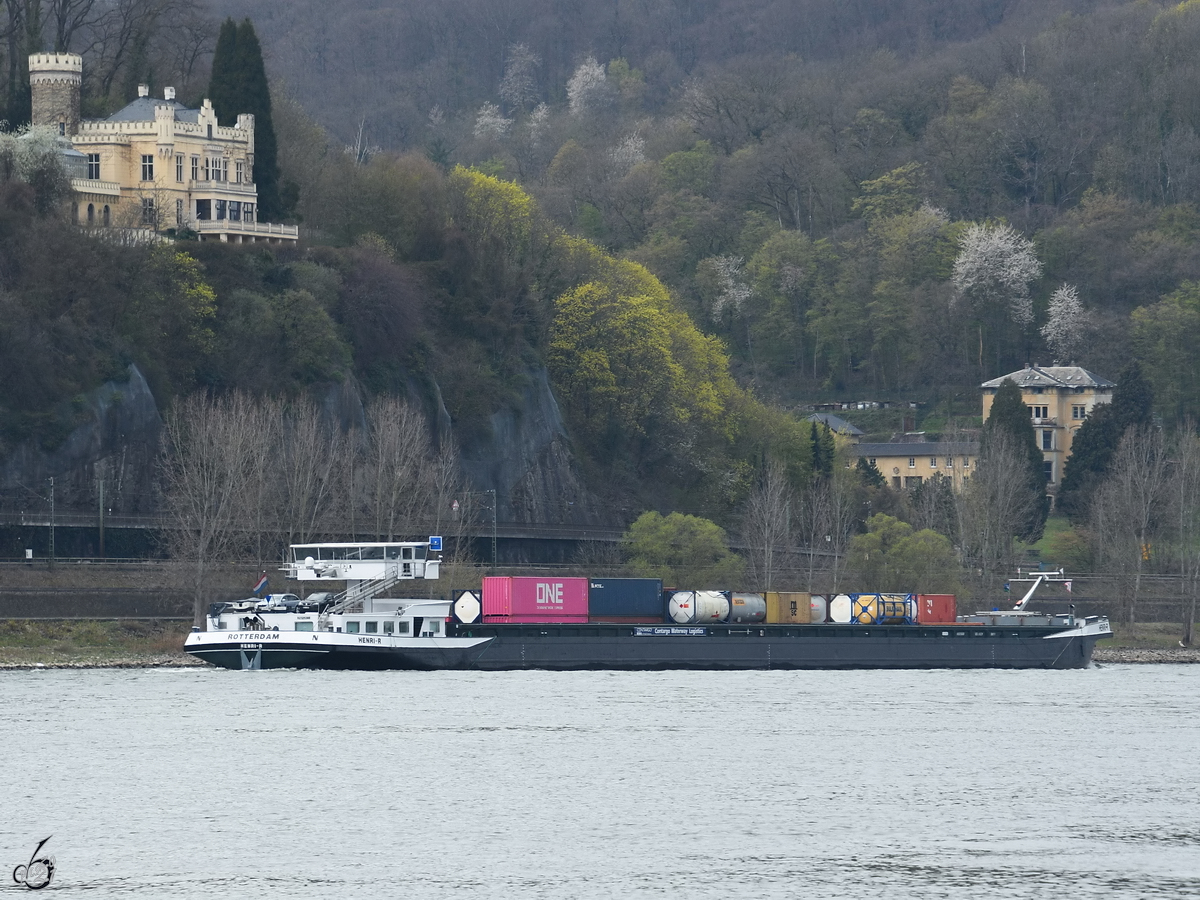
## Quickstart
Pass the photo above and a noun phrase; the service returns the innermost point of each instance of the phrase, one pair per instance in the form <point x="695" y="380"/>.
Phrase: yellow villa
<point x="155" y="165"/>
<point x="1059" y="398"/>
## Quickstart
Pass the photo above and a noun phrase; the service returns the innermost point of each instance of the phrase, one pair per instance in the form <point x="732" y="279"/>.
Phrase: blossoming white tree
<point x="587" y="88"/>
<point x="995" y="266"/>
<point x="1066" y="324"/>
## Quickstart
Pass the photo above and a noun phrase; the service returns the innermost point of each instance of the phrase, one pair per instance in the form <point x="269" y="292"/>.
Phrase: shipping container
<point x="536" y="620"/>
<point x="627" y="620"/>
<point x="697" y="607"/>
<point x="626" y="598"/>
<point x="747" y="608"/>
<point x="936" y="609"/>
<point x="820" y="609"/>
<point x="544" y="599"/>
<point x="840" y="608"/>
<point x="880" y="609"/>
<point x="789" y="608"/>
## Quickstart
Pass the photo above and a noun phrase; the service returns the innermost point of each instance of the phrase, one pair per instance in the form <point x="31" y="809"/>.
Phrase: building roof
<point x="835" y="423"/>
<point x="1053" y="377"/>
<point x="929" y="448"/>
<point x="142" y="110"/>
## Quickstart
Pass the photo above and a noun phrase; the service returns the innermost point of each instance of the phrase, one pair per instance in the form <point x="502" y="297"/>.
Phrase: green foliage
<point x="897" y="193"/>
<point x="1164" y="336"/>
<point x="1098" y="438"/>
<point x="239" y="85"/>
<point x="1010" y="417"/>
<point x="684" y="551"/>
<point x="892" y="557"/>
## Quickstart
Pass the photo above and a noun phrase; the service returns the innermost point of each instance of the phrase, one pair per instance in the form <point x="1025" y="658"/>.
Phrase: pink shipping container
<point x="535" y="620"/>
<point x="936" y="609"/>
<point x="535" y="599"/>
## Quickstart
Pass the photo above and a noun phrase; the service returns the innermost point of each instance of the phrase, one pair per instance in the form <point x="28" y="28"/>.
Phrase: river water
<point x="210" y="783"/>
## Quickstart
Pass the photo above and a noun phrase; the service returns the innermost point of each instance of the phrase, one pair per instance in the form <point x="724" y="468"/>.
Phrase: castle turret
<point x="54" y="79"/>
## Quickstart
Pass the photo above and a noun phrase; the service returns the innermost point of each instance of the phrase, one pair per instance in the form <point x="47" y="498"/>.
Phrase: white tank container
<point x="748" y="608"/>
<point x="698" y="607"/>
<point x="840" y="609"/>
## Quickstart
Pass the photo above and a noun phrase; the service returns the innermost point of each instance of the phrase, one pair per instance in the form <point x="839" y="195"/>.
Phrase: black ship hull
<point x="494" y="647"/>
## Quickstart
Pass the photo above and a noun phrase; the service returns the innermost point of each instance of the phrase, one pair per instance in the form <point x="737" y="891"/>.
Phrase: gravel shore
<point x="1156" y="655"/>
<point x="164" y="661"/>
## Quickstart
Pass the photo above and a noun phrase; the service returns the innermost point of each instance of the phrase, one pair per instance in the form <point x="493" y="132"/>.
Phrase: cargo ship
<point x="622" y="623"/>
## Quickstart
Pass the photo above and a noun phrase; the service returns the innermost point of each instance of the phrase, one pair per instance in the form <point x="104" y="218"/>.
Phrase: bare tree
<point x="395" y="472"/>
<point x="206" y="469"/>
<point x="767" y="526"/>
<point x="1128" y="511"/>
<point x="993" y="505"/>
<point x="260" y="499"/>
<point x="1186" y="490"/>
<point x="308" y="459"/>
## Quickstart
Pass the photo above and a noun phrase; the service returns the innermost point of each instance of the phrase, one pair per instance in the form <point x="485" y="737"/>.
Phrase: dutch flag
<point x="261" y="584"/>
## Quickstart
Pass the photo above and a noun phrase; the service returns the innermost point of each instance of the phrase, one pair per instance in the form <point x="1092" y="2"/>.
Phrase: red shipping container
<point x="535" y="620"/>
<point x="936" y="609"/>
<point x="536" y="599"/>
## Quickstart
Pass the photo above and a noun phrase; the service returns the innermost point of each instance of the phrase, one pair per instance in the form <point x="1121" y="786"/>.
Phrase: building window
<point x="91" y="214"/>
<point x="203" y="210"/>
<point x="195" y="168"/>
<point x="1048" y="469"/>
<point x="220" y="205"/>
<point x="912" y="462"/>
<point x="224" y="170"/>
<point x="248" y="213"/>
<point x="147" y="167"/>
<point x="107" y="215"/>
<point x="235" y="211"/>
<point x="1039" y="412"/>
<point x="179" y="169"/>
<point x="872" y="460"/>
<point x="240" y="171"/>
<point x="207" y="174"/>
<point x="1078" y="412"/>
<point x="148" y="211"/>
<point x="966" y="462"/>
<point x="1047" y="440"/>
<point x="94" y="166"/>
<point x="179" y="212"/>
<point x="949" y="462"/>
<point x="210" y="132"/>
<point x="933" y="462"/>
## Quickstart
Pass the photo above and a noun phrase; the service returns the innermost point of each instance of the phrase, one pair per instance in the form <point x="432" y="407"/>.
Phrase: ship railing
<point x="357" y="593"/>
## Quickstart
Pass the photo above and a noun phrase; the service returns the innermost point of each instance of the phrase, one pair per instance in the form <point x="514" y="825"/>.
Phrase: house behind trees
<point x="1059" y="398"/>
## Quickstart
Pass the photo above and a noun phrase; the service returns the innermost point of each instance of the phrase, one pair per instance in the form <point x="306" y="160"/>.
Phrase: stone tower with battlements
<point x="54" y="79"/>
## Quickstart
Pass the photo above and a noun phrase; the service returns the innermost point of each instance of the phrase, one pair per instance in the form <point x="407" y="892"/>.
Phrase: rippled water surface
<point x="210" y="783"/>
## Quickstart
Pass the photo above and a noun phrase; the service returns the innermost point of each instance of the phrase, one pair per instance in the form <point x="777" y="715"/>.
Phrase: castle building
<point x="154" y="165"/>
<point x="1059" y="399"/>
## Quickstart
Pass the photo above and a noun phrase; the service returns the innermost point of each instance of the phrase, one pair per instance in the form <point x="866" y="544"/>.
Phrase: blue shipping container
<point x="626" y="597"/>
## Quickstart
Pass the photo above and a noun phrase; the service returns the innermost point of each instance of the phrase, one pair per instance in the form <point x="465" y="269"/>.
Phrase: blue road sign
<point x="435" y="542"/>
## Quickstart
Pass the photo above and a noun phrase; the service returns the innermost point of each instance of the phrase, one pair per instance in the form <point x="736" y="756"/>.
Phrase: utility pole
<point x="493" y="493"/>
<point x="51" y="521"/>
<point x="102" y="517"/>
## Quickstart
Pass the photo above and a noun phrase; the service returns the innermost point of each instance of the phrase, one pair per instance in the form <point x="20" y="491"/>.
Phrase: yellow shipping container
<point x="789" y="608"/>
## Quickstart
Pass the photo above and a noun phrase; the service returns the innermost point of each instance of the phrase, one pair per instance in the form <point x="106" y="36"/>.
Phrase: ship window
<point x="372" y="628"/>
<point x="435" y="627"/>
<point x="389" y="627"/>
<point x="351" y="628"/>
<point x="406" y="553"/>
<point x="402" y="627"/>
<point x="304" y="626"/>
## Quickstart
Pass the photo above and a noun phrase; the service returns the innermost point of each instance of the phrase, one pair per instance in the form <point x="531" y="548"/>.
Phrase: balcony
<point x="246" y="232"/>
<point x="96" y="187"/>
<point x="222" y="187"/>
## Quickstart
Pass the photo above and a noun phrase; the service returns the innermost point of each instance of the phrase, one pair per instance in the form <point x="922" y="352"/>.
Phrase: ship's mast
<point x="1039" y="577"/>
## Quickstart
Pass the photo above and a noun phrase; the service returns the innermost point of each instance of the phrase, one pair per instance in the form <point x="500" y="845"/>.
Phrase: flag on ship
<point x="1067" y="585"/>
<point x="261" y="584"/>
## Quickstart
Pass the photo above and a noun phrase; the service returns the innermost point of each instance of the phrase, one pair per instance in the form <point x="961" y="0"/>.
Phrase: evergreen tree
<point x="823" y="450"/>
<point x="239" y="85"/>
<point x="1010" y="416"/>
<point x="1099" y="436"/>
<point x="868" y="474"/>
<point x="224" y="86"/>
